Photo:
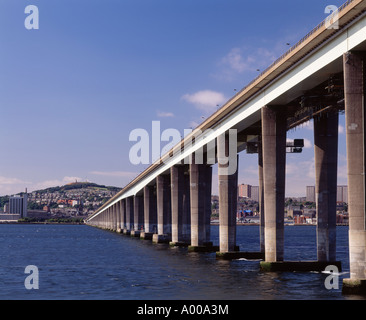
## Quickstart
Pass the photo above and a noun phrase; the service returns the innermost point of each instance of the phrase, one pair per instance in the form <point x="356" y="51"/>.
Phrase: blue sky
<point x="73" y="90"/>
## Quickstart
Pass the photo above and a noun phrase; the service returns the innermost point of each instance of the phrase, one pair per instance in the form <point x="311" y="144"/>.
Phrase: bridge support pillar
<point x="326" y="155"/>
<point x="123" y="214"/>
<point x="274" y="174"/>
<point x="114" y="218"/>
<point x="261" y="197"/>
<point x="199" y="182"/>
<point x="118" y="213"/>
<point x="228" y="195"/>
<point x="129" y="215"/>
<point x="208" y="209"/>
<point x="354" y="90"/>
<point x="108" y="219"/>
<point x="150" y="213"/>
<point x="186" y="230"/>
<point x="177" y="198"/>
<point x="163" y="209"/>
<point x="138" y="214"/>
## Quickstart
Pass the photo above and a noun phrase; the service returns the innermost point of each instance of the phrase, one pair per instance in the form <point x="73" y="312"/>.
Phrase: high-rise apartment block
<point x="342" y="194"/>
<point x="248" y="191"/>
<point x="310" y="193"/>
<point x="18" y="205"/>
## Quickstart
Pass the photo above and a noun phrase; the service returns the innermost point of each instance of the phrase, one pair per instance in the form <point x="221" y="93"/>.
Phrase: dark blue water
<point x="82" y="262"/>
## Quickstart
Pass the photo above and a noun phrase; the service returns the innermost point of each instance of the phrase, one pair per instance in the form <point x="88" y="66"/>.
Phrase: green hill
<point x="78" y="185"/>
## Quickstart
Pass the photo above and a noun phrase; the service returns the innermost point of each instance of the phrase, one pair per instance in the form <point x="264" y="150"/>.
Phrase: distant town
<point x="75" y="201"/>
<point x="71" y="202"/>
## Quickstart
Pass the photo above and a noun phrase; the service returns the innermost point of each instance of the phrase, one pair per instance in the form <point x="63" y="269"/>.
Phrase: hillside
<point x="77" y="197"/>
<point x="78" y="185"/>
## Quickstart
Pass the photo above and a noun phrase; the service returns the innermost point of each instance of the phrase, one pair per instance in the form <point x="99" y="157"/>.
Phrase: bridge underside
<point x="175" y="205"/>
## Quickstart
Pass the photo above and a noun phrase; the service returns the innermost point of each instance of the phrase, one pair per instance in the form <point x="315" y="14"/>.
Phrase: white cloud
<point x="241" y="60"/>
<point x="237" y="62"/>
<point x="11" y="181"/>
<point x="162" y="114"/>
<point x="123" y="174"/>
<point x="206" y="100"/>
<point x="9" y="186"/>
<point x="307" y="144"/>
<point x="54" y="183"/>
<point x="14" y="185"/>
<point x="340" y="129"/>
<point x="298" y="176"/>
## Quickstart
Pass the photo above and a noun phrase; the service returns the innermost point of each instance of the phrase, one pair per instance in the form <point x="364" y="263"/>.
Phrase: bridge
<point x="318" y="78"/>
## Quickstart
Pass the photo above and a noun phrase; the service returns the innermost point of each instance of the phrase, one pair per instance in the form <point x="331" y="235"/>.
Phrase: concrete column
<point x="114" y="218"/>
<point x="198" y="199"/>
<point x="163" y="209"/>
<point x="118" y="209"/>
<point x="177" y="198"/>
<point x="138" y="211"/>
<point x="208" y="209"/>
<point x="129" y="214"/>
<point x="123" y="214"/>
<point x="326" y="155"/>
<point x="261" y="197"/>
<point x="150" y="212"/>
<point x="186" y="229"/>
<point x="354" y="89"/>
<point x="228" y="197"/>
<point x="274" y="174"/>
<point x="109" y="218"/>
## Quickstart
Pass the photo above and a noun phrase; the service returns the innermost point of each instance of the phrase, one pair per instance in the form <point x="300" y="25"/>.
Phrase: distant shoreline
<point x="43" y="222"/>
<point x="212" y="224"/>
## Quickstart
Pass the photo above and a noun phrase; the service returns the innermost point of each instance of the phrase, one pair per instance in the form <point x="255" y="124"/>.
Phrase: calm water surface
<point x="82" y="262"/>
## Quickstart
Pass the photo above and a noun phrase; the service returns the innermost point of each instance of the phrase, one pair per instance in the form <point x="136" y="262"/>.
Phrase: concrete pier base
<point x="146" y="235"/>
<point x="354" y="286"/>
<point x="135" y="233"/>
<point x="161" y="238"/>
<point x="178" y="244"/>
<point x="126" y="232"/>
<point x="240" y="255"/>
<point x="302" y="266"/>
<point x="203" y="248"/>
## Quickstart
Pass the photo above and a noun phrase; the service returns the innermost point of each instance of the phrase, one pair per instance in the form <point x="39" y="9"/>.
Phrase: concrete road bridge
<point x="319" y="77"/>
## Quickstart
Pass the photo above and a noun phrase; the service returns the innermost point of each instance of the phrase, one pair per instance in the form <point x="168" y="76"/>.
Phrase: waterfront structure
<point x="255" y="193"/>
<point x="248" y="191"/>
<point x="320" y="76"/>
<point x="342" y="194"/>
<point x="18" y="205"/>
<point x="310" y="193"/>
<point x="245" y="190"/>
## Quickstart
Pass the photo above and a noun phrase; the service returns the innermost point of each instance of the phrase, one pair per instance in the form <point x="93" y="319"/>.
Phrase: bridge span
<point x="319" y="77"/>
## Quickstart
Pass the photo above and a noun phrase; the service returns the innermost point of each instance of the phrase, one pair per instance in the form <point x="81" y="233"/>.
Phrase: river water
<point x="78" y="262"/>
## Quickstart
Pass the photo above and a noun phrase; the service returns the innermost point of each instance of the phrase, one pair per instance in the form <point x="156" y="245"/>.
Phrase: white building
<point x="310" y="193"/>
<point x="18" y="205"/>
